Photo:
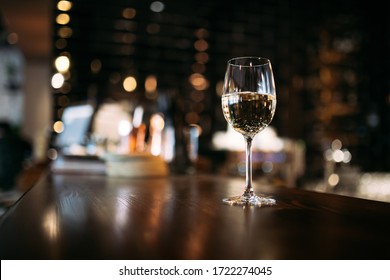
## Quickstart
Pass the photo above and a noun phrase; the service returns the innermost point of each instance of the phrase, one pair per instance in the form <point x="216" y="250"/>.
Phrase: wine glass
<point x="248" y="104"/>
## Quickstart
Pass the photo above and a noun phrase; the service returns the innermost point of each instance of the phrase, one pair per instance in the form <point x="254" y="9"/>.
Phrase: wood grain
<point x="182" y="217"/>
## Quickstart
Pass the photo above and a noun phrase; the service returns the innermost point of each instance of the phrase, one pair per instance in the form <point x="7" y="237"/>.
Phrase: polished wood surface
<point x="182" y="217"/>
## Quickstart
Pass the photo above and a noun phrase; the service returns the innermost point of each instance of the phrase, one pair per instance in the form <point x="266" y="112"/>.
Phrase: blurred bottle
<point x="156" y="128"/>
<point x="138" y="131"/>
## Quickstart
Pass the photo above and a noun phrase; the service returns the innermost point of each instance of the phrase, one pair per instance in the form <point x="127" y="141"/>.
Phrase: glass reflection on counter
<point x="273" y="156"/>
<point x="51" y="223"/>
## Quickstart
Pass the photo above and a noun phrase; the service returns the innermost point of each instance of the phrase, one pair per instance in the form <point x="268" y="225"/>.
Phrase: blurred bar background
<point x="167" y="58"/>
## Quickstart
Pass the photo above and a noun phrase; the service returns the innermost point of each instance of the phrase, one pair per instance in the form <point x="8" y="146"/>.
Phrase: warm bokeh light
<point x="201" y="45"/>
<point x="130" y="84"/>
<point x="57" y="80"/>
<point x="157" y="122"/>
<point x="65" y="32"/>
<point x="64" y="5"/>
<point x="202" y="57"/>
<point x="96" y="65"/>
<point x="150" y="83"/>
<point x="58" y="127"/>
<point x="198" y="81"/>
<point x="63" y="19"/>
<point x="62" y="64"/>
<point x="333" y="180"/>
<point x="129" y="13"/>
<point x="156" y="127"/>
<point x="336" y="144"/>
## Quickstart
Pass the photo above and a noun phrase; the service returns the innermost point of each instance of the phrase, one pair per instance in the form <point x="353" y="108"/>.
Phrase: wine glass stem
<point x="249" y="189"/>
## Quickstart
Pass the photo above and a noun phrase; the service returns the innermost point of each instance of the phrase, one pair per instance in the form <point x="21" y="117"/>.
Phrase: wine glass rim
<point x="260" y="61"/>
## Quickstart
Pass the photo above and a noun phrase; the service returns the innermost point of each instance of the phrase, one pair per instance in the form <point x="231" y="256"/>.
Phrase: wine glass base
<point x="253" y="200"/>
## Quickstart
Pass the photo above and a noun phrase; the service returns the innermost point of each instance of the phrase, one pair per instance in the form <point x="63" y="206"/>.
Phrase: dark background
<point x="330" y="60"/>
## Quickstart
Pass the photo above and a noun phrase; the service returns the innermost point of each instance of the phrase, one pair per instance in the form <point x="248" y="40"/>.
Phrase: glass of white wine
<point x="248" y="104"/>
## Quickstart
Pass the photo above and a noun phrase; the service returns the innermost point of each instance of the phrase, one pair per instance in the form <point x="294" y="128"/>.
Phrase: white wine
<point x="248" y="112"/>
<point x="248" y="104"/>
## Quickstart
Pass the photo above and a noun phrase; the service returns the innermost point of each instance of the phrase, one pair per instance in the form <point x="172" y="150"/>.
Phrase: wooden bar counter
<point x="182" y="217"/>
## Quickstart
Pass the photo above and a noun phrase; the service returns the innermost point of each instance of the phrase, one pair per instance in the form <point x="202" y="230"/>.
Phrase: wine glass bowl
<point x="248" y="105"/>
